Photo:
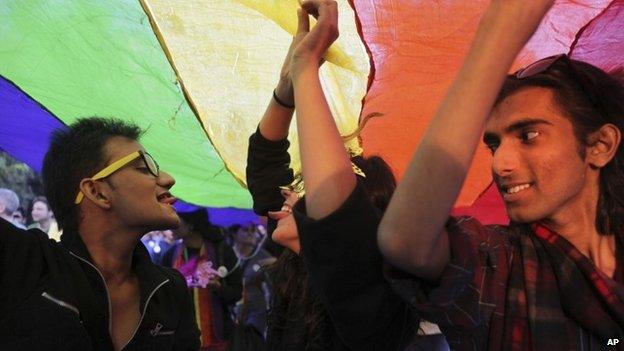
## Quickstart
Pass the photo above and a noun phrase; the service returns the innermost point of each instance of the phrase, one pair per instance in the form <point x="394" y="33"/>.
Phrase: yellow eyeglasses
<point x="151" y="164"/>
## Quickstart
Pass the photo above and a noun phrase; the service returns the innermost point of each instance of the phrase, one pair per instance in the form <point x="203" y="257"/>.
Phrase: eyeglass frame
<point x="120" y="163"/>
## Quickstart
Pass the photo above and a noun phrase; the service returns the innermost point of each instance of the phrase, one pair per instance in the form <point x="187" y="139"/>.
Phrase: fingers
<point x="310" y="7"/>
<point x="320" y="8"/>
<point x="303" y="22"/>
<point x="311" y="44"/>
<point x="326" y="13"/>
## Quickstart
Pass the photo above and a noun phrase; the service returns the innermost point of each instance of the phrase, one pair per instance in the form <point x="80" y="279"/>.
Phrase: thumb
<point x="303" y="21"/>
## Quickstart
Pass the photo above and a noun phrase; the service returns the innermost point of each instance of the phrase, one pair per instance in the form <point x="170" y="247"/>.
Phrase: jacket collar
<point x="149" y="275"/>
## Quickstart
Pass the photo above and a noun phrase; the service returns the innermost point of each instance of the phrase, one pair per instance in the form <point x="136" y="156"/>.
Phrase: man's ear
<point x="95" y="192"/>
<point x="603" y="145"/>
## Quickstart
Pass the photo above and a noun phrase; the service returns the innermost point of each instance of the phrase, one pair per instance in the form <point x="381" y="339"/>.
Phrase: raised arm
<point x="267" y="157"/>
<point x="327" y="172"/>
<point x="412" y="234"/>
<point x="278" y="115"/>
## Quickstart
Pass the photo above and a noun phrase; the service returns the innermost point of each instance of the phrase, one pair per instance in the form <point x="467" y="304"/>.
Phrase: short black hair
<point x="75" y="153"/>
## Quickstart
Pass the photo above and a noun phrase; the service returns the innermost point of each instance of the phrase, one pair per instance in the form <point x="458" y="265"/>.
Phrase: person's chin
<point x="165" y="221"/>
<point x="173" y="222"/>
<point x="522" y="214"/>
<point x="170" y="216"/>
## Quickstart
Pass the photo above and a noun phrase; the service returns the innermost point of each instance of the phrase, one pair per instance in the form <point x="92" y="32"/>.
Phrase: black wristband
<point x="281" y="102"/>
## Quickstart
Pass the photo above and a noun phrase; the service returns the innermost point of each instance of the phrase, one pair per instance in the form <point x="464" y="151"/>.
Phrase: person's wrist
<point x="304" y="67"/>
<point x="283" y="94"/>
<point x="284" y="88"/>
<point x="289" y="104"/>
<point x="284" y="82"/>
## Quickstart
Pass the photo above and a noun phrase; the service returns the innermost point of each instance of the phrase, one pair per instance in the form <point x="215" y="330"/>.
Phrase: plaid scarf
<point x="558" y="300"/>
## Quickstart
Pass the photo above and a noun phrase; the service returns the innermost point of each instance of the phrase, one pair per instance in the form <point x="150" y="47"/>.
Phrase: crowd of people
<point x="41" y="215"/>
<point x="364" y="262"/>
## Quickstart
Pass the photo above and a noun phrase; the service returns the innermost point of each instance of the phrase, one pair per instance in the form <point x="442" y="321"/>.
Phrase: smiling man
<point x="97" y="289"/>
<point x="553" y="278"/>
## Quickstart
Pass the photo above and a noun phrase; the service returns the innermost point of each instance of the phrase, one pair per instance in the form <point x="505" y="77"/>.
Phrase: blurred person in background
<point x="19" y="216"/>
<point x="43" y="218"/>
<point x="249" y="247"/>
<point x="201" y="243"/>
<point x="9" y="203"/>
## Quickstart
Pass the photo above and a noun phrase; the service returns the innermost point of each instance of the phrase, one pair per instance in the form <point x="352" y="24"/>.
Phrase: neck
<point x="45" y="224"/>
<point x="577" y="224"/>
<point x="111" y="250"/>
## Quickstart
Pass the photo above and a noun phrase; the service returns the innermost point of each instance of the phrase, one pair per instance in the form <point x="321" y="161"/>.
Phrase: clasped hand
<point x="310" y="45"/>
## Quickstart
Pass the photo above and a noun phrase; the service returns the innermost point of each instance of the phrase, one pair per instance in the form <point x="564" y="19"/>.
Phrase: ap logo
<point x="613" y="342"/>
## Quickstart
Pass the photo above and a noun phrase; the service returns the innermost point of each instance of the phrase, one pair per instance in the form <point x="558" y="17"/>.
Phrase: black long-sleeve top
<point x="340" y="254"/>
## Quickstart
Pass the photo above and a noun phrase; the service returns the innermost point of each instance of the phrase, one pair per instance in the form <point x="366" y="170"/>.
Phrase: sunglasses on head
<point x="543" y="65"/>
<point x="540" y="66"/>
<point x="151" y="164"/>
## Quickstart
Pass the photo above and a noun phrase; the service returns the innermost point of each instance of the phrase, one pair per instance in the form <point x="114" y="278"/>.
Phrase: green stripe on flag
<point x="84" y="58"/>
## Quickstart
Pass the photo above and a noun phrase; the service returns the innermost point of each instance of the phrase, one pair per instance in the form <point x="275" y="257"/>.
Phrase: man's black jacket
<point x="52" y="297"/>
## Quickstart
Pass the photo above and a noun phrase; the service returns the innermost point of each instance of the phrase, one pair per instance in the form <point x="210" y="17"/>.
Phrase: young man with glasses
<point x="97" y="289"/>
<point x="553" y="278"/>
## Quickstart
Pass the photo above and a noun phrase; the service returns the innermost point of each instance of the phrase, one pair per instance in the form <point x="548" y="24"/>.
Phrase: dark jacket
<point x="52" y="297"/>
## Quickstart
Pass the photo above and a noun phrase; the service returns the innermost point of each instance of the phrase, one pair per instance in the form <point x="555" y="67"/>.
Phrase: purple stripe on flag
<point x="228" y="216"/>
<point x="223" y="217"/>
<point x="26" y="125"/>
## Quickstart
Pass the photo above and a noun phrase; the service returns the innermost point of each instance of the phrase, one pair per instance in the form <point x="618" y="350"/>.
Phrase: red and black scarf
<point x="558" y="300"/>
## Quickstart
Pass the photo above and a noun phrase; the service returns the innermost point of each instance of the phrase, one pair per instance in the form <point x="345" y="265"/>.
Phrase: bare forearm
<point x="327" y="171"/>
<point x="276" y="120"/>
<point x="412" y="233"/>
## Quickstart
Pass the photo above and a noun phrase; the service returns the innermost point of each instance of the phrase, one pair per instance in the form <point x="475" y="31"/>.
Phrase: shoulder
<point x="174" y="276"/>
<point x="473" y="230"/>
<point x="356" y="213"/>
<point x="176" y="287"/>
<point x="16" y="238"/>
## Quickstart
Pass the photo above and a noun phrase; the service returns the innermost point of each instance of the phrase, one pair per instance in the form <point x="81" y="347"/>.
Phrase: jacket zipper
<point x="144" y="310"/>
<point x="60" y="302"/>
<point x="110" y="308"/>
